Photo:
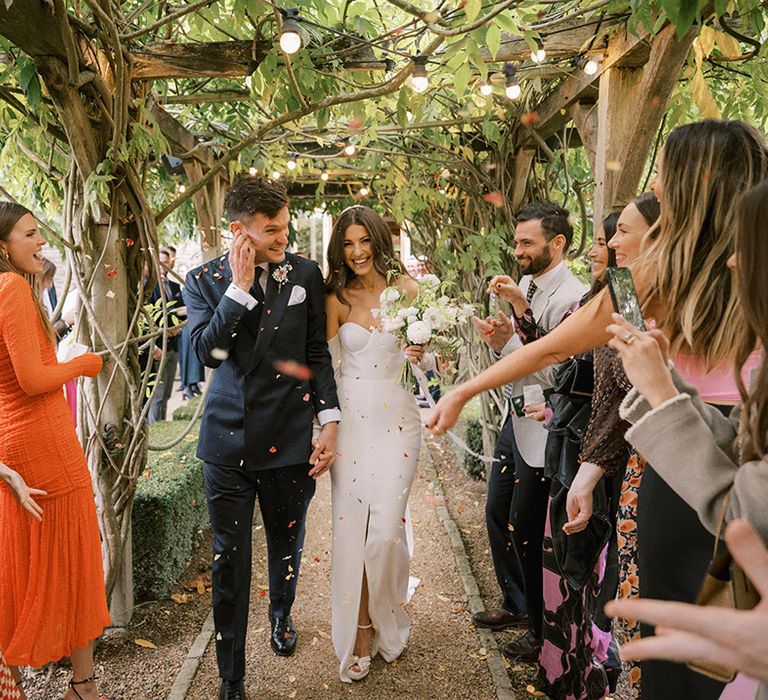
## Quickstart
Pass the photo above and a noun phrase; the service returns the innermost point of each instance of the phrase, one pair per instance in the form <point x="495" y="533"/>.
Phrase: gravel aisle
<point x="443" y="659"/>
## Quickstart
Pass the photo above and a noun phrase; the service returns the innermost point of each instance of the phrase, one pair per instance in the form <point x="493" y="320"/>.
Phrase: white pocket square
<point x="298" y="294"/>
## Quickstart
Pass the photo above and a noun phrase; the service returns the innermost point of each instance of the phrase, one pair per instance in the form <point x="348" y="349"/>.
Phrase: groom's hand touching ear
<point x="242" y="262"/>
<point x="324" y="454"/>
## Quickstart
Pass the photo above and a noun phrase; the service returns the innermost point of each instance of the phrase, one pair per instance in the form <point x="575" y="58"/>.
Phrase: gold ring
<point x="629" y="338"/>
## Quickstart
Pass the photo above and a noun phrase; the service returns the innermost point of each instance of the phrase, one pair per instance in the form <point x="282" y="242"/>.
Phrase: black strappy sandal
<point x="90" y="679"/>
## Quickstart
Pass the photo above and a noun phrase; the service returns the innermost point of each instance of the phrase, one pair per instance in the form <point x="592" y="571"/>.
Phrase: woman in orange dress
<point x="52" y="598"/>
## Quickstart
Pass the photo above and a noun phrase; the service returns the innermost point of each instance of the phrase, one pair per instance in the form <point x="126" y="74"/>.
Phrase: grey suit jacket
<point x="556" y="294"/>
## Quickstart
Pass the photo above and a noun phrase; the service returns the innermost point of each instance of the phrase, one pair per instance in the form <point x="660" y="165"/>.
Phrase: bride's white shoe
<point x="363" y="663"/>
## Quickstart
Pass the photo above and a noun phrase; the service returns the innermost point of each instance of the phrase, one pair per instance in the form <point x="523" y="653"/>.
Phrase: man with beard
<point x="516" y="508"/>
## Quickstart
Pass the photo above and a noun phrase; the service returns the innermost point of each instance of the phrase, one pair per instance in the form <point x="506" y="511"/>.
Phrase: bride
<point x="378" y="447"/>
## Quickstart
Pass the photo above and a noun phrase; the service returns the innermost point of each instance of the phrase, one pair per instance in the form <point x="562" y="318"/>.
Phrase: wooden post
<point x="523" y="162"/>
<point x="631" y="105"/>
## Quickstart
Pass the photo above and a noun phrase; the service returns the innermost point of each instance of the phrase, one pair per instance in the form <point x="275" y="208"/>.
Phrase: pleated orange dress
<point x="52" y="597"/>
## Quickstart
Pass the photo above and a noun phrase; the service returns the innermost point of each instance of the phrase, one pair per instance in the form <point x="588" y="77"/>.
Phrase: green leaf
<point x="461" y="79"/>
<point x="493" y="37"/>
<point x="472" y="9"/>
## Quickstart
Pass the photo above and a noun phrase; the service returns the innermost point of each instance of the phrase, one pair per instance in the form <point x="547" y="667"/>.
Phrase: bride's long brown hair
<point x="752" y="282"/>
<point x="385" y="261"/>
<point x="10" y="213"/>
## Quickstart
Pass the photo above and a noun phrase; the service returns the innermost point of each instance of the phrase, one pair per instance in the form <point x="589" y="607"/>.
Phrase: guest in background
<point x="517" y="489"/>
<point x="165" y="368"/>
<point x="52" y="597"/>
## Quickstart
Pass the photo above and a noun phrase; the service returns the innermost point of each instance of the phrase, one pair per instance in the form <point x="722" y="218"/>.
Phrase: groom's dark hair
<point x="253" y="194"/>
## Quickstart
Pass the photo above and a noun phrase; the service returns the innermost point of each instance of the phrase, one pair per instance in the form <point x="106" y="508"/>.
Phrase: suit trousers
<point x="284" y="494"/>
<point x="515" y="515"/>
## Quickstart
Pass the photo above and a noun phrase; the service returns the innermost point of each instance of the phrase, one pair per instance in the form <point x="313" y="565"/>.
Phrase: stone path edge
<point x="496" y="666"/>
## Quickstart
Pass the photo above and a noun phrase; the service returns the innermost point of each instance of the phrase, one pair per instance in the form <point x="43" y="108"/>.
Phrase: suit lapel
<point x="274" y="309"/>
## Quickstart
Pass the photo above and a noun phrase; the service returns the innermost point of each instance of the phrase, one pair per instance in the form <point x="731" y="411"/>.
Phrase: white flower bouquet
<point x="429" y="319"/>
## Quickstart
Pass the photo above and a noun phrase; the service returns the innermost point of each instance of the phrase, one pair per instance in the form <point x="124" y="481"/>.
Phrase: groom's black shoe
<point x="283" y="637"/>
<point x="232" y="690"/>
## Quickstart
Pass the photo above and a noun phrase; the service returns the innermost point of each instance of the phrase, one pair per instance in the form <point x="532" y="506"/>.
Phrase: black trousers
<point x="674" y="551"/>
<point x="284" y="495"/>
<point x="515" y="515"/>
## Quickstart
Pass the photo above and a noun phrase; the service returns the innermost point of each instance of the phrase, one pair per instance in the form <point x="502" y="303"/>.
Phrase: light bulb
<point x="290" y="37"/>
<point x="182" y="188"/>
<point x="419" y="83"/>
<point x="419" y="78"/>
<point x="485" y="88"/>
<point x="350" y="149"/>
<point x="539" y="54"/>
<point x="252" y="171"/>
<point x="591" y="66"/>
<point x="291" y="164"/>
<point x="275" y="174"/>
<point x="249" y="81"/>
<point x="513" y="91"/>
<point x="324" y="176"/>
<point x="363" y="191"/>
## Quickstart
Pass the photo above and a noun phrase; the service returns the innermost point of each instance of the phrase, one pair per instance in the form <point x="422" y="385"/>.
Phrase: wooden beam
<point x="220" y="59"/>
<point x="523" y="162"/>
<point x="199" y="98"/>
<point x="623" y="50"/>
<point x="631" y="106"/>
<point x="584" y="116"/>
<point x="571" y="38"/>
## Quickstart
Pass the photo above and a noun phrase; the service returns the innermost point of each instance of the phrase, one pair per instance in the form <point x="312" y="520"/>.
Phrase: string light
<point x="485" y="88"/>
<point x="182" y="188"/>
<point x="323" y="173"/>
<point x="252" y="170"/>
<point x="275" y="174"/>
<point x="349" y="147"/>
<point x="363" y="191"/>
<point x="291" y="164"/>
<point x="512" y="87"/>
<point x="290" y="35"/>
<point x="539" y="55"/>
<point x="592" y="65"/>
<point x="419" y="77"/>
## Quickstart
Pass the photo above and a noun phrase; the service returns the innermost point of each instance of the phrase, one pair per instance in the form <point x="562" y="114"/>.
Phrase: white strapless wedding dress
<point x="378" y="445"/>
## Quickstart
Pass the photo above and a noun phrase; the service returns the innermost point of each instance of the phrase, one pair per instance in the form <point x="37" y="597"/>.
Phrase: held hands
<point x="644" y="356"/>
<point x="324" y="454"/>
<point x="495" y="332"/>
<point x="242" y="262"/>
<point x="735" y="639"/>
<point x="578" y="503"/>
<point x="22" y="492"/>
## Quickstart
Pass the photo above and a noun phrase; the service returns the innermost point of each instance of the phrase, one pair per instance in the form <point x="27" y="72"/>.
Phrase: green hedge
<point x="473" y="436"/>
<point x="169" y="512"/>
<point x="187" y="410"/>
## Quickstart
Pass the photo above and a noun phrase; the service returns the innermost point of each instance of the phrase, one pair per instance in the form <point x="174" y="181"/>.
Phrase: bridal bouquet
<point x="429" y="319"/>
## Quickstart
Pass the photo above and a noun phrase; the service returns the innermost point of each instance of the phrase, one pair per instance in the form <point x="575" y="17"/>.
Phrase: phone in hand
<point x="624" y="295"/>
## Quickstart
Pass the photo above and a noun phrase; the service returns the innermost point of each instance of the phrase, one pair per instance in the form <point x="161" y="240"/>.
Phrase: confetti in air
<point x="219" y="354"/>
<point x="293" y="369"/>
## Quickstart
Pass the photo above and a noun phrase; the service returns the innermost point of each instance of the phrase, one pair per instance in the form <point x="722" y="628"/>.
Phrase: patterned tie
<point x="531" y="291"/>
<point x="256" y="289"/>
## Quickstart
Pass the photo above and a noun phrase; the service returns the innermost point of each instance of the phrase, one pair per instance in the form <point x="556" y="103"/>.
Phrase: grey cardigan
<point x="691" y="445"/>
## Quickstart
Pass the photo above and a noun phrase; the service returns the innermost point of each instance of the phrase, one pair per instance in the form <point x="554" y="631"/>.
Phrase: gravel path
<point x="443" y="660"/>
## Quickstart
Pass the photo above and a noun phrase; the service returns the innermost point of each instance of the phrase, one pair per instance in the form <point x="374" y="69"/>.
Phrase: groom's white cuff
<point x="329" y="415"/>
<point x="236" y="294"/>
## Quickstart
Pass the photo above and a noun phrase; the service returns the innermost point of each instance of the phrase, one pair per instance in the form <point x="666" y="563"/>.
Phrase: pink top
<point x="719" y="386"/>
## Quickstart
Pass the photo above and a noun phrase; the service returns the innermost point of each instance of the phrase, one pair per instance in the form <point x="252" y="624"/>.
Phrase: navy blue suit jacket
<point x="257" y="416"/>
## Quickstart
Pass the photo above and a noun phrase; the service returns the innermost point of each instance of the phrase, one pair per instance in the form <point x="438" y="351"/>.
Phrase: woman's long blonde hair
<point x="705" y="167"/>
<point x="752" y="281"/>
<point x="10" y="213"/>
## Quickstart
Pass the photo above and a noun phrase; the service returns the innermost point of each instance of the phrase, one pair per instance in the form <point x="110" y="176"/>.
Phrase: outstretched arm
<point x="19" y="318"/>
<point x="580" y="332"/>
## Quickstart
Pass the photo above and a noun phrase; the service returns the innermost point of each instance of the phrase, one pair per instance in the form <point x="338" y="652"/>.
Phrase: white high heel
<point x="362" y="662"/>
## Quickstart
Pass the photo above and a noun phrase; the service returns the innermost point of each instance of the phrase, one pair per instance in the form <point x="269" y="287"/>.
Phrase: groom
<point x="257" y="316"/>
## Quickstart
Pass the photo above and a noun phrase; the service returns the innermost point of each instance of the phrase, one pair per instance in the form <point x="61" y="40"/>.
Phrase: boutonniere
<point x="280" y="275"/>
